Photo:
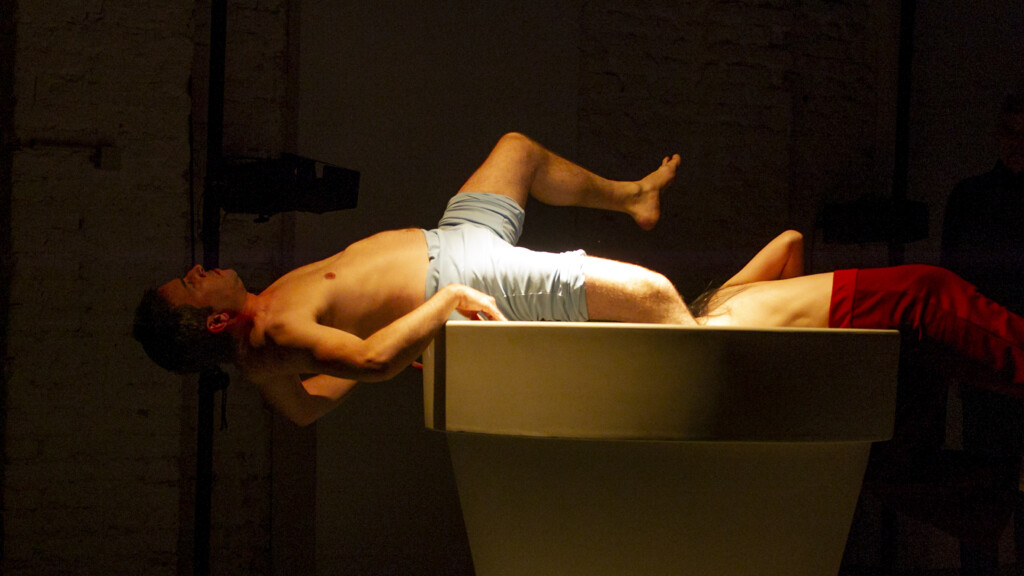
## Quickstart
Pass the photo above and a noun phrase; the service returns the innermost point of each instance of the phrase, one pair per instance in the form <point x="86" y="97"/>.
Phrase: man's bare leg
<point x="621" y="292"/>
<point x="518" y="167"/>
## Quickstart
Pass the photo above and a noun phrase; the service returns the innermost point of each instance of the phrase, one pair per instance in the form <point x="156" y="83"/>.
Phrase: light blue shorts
<point x="474" y="244"/>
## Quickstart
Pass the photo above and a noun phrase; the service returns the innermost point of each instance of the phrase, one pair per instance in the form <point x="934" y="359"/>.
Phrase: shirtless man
<point x="369" y="311"/>
<point x="930" y="302"/>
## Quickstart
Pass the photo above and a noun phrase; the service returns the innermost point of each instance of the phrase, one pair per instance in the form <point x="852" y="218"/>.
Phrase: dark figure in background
<point x="983" y="242"/>
<point x="982" y="237"/>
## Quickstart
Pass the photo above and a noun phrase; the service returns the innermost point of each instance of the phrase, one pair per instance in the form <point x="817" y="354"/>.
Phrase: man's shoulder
<point x="282" y="345"/>
<point x="283" y="327"/>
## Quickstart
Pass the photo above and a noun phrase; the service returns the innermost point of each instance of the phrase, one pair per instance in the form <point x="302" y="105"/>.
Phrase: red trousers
<point x="935" y="304"/>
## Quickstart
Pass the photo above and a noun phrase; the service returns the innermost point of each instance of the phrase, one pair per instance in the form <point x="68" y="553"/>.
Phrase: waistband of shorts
<point x="496" y="212"/>
<point x="841" y="306"/>
<point x="433" y="269"/>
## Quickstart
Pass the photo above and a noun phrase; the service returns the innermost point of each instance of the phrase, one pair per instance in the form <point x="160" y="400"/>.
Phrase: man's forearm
<point x="390" y="349"/>
<point x="402" y="341"/>
<point x="399" y="343"/>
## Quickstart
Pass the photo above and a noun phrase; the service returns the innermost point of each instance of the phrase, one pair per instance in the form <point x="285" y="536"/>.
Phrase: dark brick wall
<point x="777" y="107"/>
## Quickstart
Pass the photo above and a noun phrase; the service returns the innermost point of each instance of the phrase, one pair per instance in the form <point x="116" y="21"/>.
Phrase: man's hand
<point x="471" y="302"/>
<point x="320" y="349"/>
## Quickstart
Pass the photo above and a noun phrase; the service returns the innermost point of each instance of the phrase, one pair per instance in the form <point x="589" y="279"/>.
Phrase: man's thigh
<point x="623" y="292"/>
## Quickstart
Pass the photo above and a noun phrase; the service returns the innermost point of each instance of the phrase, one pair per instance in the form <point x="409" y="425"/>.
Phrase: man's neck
<point x="247" y="329"/>
<point x="251" y="307"/>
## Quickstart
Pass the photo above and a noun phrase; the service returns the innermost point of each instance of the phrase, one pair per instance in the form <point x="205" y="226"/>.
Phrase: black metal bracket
<point x="261" y="187"/>
<point x="290" y="183"/>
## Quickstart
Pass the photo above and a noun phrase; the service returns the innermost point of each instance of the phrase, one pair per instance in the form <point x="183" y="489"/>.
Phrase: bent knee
<point x="653" y="290"/>
<point x="626" y="278"/>
<point x="620" y="291"/>
<point x="792" y="237"/>
<point x="514" y="138"/>
<point x="515" y="143"/>
<point x="658" y="286"/>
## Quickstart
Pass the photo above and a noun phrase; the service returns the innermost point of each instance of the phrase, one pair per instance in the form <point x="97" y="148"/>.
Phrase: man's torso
<point x="359" y="290"/>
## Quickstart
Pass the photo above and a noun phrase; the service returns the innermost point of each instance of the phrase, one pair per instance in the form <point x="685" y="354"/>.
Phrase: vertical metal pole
<point x="908" y="10"/>
<point x="211" y="381"/>
<point x="8" y="9"/>
<point x="214" y="181"/>
<point x="204" y="479"/>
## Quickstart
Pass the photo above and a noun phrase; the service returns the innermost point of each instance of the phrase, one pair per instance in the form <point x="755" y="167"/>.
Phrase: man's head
<point x="182" y="324"/>
<point x="1010" y="133"/>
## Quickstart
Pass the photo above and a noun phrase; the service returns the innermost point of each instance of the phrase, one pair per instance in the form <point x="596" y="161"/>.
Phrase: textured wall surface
<point x="254" y="104"/>
<point x="777" y="107"/>
<point x="100" y="445"/>
<point x="93" y="440"/>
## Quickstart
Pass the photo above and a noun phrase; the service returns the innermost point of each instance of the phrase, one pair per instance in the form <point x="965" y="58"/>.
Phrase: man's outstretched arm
<point x="343" y="359"/>
<point x="327" y="350"/>
<point x="304" y="401"/>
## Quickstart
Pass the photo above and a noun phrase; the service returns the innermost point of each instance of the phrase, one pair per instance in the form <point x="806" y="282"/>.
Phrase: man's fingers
<point x="480" y="306"/>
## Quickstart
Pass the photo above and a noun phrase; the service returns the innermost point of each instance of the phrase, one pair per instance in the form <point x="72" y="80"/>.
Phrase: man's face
<point x="1010" y="136"/>
<point x="220" y="289"/>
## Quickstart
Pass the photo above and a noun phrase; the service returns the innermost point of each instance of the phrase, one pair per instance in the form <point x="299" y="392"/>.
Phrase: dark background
<point x="777" y="108"/>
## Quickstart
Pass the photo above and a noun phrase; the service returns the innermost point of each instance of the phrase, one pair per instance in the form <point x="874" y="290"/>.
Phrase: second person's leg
<point x="936" y="304"/>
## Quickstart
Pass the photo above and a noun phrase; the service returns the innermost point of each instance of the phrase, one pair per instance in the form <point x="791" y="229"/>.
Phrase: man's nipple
<point x="330" y="276"/>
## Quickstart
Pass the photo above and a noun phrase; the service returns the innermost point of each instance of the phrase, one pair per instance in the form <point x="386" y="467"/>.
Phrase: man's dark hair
<point x="176" y="338"/>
